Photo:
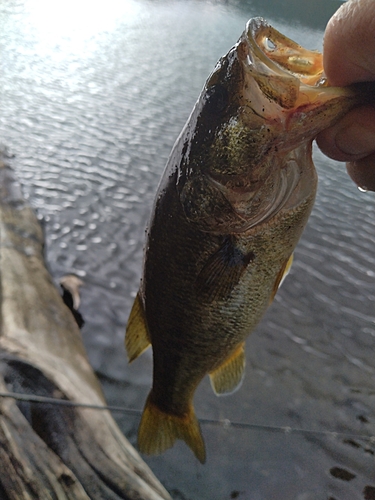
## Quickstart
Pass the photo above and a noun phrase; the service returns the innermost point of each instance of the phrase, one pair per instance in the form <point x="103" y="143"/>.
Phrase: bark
<point x="49" y="451"/>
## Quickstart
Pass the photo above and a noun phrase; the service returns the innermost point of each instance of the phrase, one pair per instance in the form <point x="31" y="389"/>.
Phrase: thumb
<point x="352" y="138"/>
<point x="349" y="43"/>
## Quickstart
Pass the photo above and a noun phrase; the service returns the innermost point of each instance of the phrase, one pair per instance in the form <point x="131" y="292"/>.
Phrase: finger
<point x="362" y="172"/>
<point x="349" y="43"/>
<point x="352" y="138"/>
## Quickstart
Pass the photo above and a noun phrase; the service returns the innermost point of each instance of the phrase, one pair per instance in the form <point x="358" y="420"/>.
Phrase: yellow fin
<point x="283" y="273"/>
<point x="228" y="377"/>
<point x="158" y="431"/>
<point x="137" y="338"/>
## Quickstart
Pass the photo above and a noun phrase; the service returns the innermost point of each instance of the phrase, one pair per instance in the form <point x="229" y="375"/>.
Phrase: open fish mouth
<point x="285" y="72"/>
<point x="284" y="102"/>
<point x="285" y="87"/>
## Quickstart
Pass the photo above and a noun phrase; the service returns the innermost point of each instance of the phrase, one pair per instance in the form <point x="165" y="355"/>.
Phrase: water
<point x="93" y="97"/>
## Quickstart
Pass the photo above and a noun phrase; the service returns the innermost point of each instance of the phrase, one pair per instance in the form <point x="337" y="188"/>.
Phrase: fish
<point x="233" y="201"/>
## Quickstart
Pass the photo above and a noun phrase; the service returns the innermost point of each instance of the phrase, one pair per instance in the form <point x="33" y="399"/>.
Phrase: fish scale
<point x="232" y="204"/>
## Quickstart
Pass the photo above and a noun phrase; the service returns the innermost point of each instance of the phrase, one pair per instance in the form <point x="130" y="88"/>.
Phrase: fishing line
<point x="226" y="423"/>
<point x="65" y="402"/>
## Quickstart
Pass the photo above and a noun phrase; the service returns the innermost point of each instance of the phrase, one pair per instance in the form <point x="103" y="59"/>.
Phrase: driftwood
<point x="50" y="451"/>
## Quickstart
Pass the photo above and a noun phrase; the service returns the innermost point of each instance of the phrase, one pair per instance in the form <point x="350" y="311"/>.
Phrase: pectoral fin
<point x="228" y="377"/>
<point x="283" y="273"/>
<point x="222" y="271"/>
<point x="137" y="338"/>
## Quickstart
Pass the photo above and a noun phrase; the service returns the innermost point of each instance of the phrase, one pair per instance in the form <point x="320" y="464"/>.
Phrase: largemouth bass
<point x="234" y="199"/>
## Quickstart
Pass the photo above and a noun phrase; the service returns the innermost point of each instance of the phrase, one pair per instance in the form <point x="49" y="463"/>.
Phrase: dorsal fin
<point x="283" y="273"/>
<point x="137" y="338"/>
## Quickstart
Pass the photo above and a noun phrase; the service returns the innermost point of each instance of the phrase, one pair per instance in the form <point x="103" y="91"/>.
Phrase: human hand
<point x="349" y="57"/>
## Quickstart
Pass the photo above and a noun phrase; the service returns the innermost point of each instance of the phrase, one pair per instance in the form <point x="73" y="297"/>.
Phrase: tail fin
<point x="159" y="430"/>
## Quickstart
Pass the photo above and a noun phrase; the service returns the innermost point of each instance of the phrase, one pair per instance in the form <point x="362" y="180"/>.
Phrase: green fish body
<point x="233" y="202"/>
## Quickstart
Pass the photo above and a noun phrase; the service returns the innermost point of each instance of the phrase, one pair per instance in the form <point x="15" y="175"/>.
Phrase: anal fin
<point x="137" y="337"/>
<point x="159" y="430"/>
<point x="228" y="376"/>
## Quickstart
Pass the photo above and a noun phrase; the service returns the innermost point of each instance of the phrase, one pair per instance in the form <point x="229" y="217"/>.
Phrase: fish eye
<point x="216" y="99"/>
<point x="270" y="45"/>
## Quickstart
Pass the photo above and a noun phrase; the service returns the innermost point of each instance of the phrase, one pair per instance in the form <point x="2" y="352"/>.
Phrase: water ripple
<point x="92" y="120"/>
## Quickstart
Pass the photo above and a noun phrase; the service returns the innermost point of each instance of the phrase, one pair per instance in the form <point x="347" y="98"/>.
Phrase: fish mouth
<point x="284" y="85"/>
<point x="290" y="76"/>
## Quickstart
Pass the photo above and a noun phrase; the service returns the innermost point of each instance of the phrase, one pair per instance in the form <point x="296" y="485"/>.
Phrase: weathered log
<point x="50" y="451"/>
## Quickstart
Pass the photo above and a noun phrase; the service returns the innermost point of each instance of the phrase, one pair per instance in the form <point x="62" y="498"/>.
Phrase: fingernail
<point x="356" y="141"/>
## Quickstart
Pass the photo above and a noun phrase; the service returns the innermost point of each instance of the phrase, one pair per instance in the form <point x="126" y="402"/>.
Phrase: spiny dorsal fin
<point x="159" y="430"/>
<point x="137" y="338"/>
<point x="283" y="273"/>
<point x="223" y="271"/>
<point x="228" y="376"/>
